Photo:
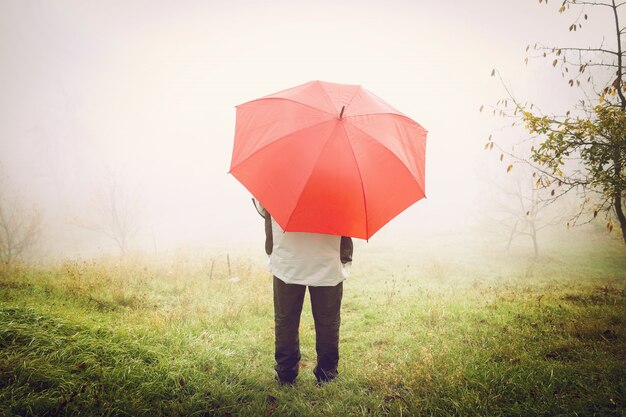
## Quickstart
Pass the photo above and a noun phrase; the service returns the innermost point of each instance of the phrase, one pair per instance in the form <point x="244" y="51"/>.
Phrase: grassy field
<point x="425" y="331"/>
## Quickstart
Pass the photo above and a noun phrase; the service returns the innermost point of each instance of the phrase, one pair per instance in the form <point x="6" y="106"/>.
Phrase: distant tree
<point x="528" y="213"/>
<point x="20" y="225"/>
<point x="113" y="213"/>
<point x="583" y="150"/>
<point x="518" y="210"/>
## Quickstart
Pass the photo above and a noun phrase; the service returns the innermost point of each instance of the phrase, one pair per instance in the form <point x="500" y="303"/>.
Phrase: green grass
<point x="423" y="333"/>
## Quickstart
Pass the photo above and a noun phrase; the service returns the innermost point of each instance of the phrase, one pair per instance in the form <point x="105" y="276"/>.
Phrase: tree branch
<point x="606" y="51"/>
<point x="588" y="3"/>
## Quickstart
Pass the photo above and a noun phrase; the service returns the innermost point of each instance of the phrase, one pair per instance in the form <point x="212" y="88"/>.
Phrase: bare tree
<point x="521" y="209"/>
<point x="20" y="225"/>
<point x="113" y="213"/>
<point x="530" y="216"/>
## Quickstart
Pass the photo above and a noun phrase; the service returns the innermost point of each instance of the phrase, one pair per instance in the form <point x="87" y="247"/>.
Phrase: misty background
<point x="134" y="102"/>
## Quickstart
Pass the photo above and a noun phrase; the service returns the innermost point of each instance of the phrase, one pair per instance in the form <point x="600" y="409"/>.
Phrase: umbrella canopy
<point x="329" y="158"/>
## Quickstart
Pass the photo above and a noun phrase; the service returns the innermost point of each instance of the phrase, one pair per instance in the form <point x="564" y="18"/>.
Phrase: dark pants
<point x="326" y="306"/>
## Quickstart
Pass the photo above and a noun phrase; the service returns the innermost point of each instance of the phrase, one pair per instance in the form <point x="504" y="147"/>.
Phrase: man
<point x="297" y="261"/>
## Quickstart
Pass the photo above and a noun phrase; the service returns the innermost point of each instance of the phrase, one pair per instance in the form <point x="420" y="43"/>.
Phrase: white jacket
<point x="311" y="259"/>
<point x="306" y="258"/>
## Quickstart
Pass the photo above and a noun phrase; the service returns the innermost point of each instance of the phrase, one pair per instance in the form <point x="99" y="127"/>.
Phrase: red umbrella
<point x="329" y="158"/>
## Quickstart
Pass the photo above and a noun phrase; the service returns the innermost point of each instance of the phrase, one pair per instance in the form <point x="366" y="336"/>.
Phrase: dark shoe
<point x="285" y="382"/>
<point x="324" y="376"/>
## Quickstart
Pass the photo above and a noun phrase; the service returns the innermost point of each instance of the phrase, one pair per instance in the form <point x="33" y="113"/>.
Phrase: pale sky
<point x="147" y="90"/>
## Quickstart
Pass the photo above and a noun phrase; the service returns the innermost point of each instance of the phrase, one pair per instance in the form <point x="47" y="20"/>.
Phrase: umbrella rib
<point x="390" y="151"/>
<point x="274" y="141"/>
<point x="353" y="96"/>
<point x="389" y="113"/>
<point x="329" y="100"/>
<point x="287" y="99"/>
<point x="356" y="162"/>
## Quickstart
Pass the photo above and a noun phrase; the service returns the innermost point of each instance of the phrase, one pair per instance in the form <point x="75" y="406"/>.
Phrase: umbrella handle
<point x="257" y="208"/>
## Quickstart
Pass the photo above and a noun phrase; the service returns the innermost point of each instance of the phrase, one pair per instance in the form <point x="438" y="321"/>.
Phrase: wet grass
<point x="423" y="333"/>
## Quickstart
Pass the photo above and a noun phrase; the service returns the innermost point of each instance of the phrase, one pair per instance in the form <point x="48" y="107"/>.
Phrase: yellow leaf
<point x="501" y="156"/>
<point x="509" y="168"/>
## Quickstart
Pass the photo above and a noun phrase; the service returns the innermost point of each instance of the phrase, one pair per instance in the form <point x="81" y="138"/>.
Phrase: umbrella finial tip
<point x="341" y="114"/>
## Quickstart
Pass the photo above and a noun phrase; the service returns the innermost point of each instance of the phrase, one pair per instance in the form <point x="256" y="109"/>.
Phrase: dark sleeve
<point x="269" y="237"/>
<point x="345" y="250"/>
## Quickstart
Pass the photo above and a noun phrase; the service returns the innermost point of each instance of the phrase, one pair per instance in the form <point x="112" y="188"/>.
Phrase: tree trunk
<point x="508" y="246"/>
<point x="533" y="236"/>
<point x="617" y="152"/>
<point x="620" y="214"/>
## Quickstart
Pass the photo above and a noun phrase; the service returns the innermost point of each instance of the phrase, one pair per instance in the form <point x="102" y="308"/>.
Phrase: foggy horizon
<point x="142" y="95"/>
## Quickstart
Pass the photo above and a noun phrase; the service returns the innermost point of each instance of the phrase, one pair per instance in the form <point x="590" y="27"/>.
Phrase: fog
<point x="139" y="97"/>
